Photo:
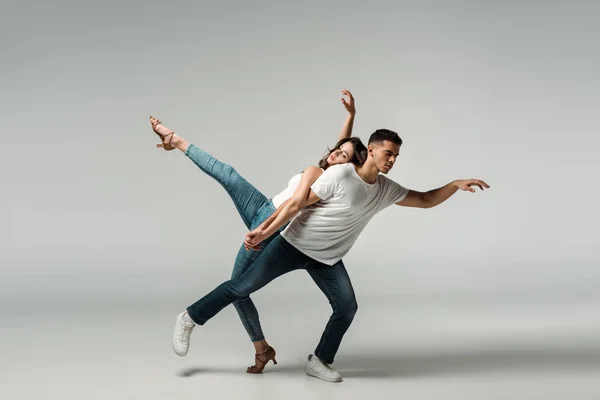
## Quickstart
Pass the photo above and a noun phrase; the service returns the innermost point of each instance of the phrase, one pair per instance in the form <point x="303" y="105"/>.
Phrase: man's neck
<point x="368" y="171"/>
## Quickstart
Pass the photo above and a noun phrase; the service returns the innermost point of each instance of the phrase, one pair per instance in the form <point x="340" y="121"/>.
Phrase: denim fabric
<point x="247" y="199"/>
<point x="254" y="208"/>
<point x="276" y="259"/>
<point x="245" y="306"/>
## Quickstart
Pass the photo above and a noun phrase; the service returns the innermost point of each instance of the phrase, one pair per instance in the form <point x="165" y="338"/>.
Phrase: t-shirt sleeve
<point x="325" y="186"/>
<point x="394" y="192"/>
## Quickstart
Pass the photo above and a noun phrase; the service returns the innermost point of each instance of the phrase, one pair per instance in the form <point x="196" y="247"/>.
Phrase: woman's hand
<point x="349" y="105"/>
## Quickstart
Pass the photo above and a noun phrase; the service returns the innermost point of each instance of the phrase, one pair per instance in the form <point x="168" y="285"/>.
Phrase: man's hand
<point x="254" y="239"/>
<point x="465" y="184"/>
<point x="349" y="105"/>
<point x="435" y="197"/>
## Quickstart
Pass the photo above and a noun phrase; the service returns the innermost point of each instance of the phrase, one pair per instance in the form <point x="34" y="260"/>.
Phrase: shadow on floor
<point x="389" y="365"/>
<point x="465" y="361"/>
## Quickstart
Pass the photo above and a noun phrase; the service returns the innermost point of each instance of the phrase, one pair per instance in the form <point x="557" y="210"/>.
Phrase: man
<point x="338" y="207"/>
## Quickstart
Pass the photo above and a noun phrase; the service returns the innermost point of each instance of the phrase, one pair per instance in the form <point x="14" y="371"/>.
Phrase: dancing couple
<point x="331" y="203"/>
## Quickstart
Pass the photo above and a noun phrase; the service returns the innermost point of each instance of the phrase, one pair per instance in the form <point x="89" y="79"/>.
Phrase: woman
<point x="257" y="211"/>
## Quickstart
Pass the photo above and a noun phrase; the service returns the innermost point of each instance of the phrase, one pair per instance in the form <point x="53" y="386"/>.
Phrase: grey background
<point x="95" y="217"/>
<point x="502" y="92"/>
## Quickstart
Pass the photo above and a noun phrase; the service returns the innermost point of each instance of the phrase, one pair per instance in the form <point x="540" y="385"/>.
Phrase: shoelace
<point x="184" y="334"/>
<point x="323" y="368"/>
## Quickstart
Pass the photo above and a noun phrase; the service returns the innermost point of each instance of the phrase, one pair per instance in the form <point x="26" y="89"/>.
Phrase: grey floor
<point x="420" y="348"/>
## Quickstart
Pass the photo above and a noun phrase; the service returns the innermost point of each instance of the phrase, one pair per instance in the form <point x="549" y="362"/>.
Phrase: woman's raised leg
<point x="247" y="199"/>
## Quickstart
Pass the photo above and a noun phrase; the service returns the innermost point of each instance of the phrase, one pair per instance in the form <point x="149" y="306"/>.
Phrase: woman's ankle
<point x="179" y="142"/>
<point x="261" y="346"/>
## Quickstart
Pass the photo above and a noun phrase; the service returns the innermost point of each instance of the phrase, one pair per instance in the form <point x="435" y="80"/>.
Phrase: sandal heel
<point x="261" y="360"/>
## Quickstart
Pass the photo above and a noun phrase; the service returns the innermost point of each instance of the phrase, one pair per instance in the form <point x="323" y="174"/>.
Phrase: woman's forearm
<point x="349" y="106"/>
<point x="346" y="131"/>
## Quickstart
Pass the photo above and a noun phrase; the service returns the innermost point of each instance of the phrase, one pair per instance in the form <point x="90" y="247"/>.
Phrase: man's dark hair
<point x="385" y="134"/>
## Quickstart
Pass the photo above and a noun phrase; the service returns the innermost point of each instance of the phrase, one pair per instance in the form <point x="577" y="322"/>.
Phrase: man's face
<point x="384" y="155"/>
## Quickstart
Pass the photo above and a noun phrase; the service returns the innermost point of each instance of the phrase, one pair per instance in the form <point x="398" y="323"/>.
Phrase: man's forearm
<point x="288" y="211"/>
<point x="266" y="223"/>
<point x="437" y="196"/>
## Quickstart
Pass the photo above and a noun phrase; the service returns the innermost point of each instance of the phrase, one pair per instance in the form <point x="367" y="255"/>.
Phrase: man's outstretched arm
<point x="437" y="196"/>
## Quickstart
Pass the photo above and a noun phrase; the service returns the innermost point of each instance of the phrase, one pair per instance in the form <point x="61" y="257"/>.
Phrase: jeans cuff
<point x="326" y="361"/>
<point x="187" y="151"/>
<point x="194" y="318"/>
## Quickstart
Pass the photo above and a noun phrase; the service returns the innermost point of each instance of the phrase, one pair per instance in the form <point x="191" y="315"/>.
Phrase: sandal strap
<point x="162" y="138"/>
<point x="264" y="359"/>
<point x="265" y="356"/>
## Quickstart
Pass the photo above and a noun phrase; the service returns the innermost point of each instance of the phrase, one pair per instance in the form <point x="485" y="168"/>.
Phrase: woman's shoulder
<point x="312" y="170"/>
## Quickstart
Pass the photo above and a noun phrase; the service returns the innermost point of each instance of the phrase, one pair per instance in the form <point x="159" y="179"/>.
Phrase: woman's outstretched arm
<point x="346" y="131"/>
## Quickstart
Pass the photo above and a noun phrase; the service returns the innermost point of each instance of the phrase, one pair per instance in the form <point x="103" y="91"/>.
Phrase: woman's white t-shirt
<point x="288" y="191"/>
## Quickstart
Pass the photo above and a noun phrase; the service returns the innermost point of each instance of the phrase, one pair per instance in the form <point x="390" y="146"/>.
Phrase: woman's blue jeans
<point x="254" y="208"/>
<point x="255" y="269"/>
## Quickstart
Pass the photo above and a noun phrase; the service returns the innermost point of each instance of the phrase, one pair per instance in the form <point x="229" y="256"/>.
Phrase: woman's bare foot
<point x="168" y="137"/>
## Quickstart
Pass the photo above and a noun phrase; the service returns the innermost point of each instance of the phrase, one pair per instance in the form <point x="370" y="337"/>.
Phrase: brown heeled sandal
<point x="165" y="145"/>
<point x="261" y="360"/>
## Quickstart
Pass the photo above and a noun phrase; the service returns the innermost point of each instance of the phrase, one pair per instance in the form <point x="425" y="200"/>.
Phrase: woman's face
<point x="341" y="155"/>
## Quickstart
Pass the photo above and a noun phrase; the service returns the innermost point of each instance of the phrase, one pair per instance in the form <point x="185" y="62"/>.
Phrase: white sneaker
<point x="181" y="335"/>
<point x="317" y="368"/>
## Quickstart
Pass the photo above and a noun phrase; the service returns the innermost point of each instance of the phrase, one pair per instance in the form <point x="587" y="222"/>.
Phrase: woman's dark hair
<point x="359" y="157"/>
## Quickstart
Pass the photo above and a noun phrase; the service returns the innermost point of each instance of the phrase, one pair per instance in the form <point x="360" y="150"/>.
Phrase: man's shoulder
<point x="343" y="168"/>
<point x="384" y="180"/>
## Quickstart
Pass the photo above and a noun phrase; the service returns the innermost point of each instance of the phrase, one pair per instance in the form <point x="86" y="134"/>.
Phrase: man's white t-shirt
<point x="326" y="230"/>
